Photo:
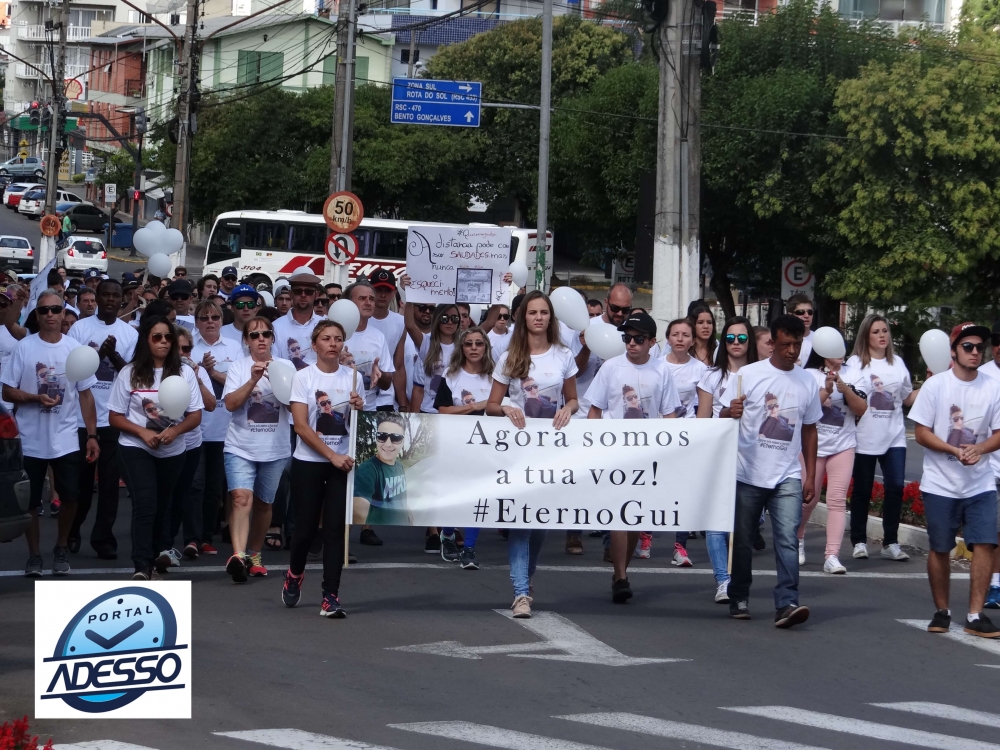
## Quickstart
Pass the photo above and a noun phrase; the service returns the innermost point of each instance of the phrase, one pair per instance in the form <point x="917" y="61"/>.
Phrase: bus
<point x="267" y="245"/>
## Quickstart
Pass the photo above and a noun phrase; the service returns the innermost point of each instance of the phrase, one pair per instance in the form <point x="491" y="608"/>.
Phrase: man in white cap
<point x="298" y="323"/>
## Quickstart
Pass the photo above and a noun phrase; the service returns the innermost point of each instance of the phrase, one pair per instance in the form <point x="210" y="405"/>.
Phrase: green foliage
<point x="119" y="170"/>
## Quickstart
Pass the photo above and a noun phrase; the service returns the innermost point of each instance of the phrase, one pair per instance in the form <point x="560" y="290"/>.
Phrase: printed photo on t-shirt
<point x="961" y="429"/>
<point x="364" y="368"/>
<point x="779" y="422"/>
<point x="51" y="384"/>
<point x="331" y="418"/>
<point x="262" y="409"/>
<point x="156" y="420"/>
<point x="468" y="399"/>
<point x="635" y="406"/>
<point x="105" y="370"/>
<point x="540" y="402"/>
<point x="882" y="395"/>
<point x="296" y="355"/>
<point x="832" y="415"/>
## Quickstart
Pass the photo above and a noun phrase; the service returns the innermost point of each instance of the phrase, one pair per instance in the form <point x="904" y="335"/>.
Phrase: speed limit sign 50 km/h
<point x="343" y="212"/>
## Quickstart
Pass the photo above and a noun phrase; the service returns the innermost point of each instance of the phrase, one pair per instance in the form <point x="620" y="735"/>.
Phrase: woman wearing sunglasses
<point x="465" y="390"/>
<point x="321" y="393"/>
<point x="738" y="349"/>
<point x="501" y="333"/>
<point x="841" y="403"/>
<point x="151" y="460"/>
<point x="535" y="356"/>
<point x="705" y="343"/>
<point x="257" y="446"/>
<point x="881" y="434"/>
<point x="435" y="353"/>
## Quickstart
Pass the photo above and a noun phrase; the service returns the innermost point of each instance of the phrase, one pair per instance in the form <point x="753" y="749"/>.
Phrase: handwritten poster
<point x="457" y="264"/>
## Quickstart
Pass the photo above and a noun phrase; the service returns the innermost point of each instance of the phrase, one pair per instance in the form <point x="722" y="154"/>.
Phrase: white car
<point x="17" y="253"/>
<point x="80" y="253"/>
<point x="16" y="190"/>
<point x="33" y="202"/>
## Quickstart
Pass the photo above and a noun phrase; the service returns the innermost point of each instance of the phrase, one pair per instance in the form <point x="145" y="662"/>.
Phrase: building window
<point x="404" y="55"/>
<point x="361" y="71"/>
<point x="259" y="67"/>
<point x="330" y="70"/>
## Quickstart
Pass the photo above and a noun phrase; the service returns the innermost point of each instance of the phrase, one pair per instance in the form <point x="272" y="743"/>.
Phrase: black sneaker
<point x="982" y="627"/>
<point x="237" y="568"/>
<point x="331" y="607"/>
<point x="468" y="559"/>
<point x="142" y="574"/>
<point x="369" y="537"/>
<point x="739" y="610"/>
<point x="449" y="550"/>
<point x="433" y="544"/>
<point x="758" y="541"/>
<point x="73" y="544"/>
<point x="60" y="561"/>
<point x="793" y="614"/>
<point x="940" y="622"/>
<point x="621" y="592"/>
<point x="292" y="589"/>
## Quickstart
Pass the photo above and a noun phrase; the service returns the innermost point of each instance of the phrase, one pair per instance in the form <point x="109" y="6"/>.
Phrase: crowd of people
<point x="242" y="468"/>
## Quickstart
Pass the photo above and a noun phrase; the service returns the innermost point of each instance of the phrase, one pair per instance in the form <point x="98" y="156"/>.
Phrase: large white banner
<point x="457" y="264"/>
<point x="643" y="475"/>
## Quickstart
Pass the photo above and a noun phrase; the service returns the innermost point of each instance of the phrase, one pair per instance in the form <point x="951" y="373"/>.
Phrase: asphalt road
<point x="277" y="673"/>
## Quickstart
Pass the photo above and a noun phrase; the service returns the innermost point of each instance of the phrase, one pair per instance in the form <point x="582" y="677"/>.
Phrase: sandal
<point x="272" y="540"/>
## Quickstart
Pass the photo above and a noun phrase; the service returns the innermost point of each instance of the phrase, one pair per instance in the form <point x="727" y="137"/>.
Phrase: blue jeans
<point x="471" y="535"/>
<point x="523" y="547"/>
<point x="718" y="553"/>
<point x="784" y="505"/>
<point x="893" y="463"/>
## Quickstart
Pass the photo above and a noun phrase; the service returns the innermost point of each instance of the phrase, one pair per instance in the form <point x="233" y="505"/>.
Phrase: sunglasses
<point x="181" y="275"/>
<point x="531" y="387"/>
<point x="151" y="410"/>
<point x="158" y="337"/>
<point x="319" y="302"/>
<point x="175" y="297"/>
<point x="475" y="344"/>
<point x="616" y="310"/>
<point x="772" y="407"/>
<point x="229" y="278"/>
<point x="186" y="349"/>
<point x="424" y="309"/>
<point x="335" y="297"/>
<point x="303" y="290"/>
<point x="968" y="346"/>
<point x="213" y="318"/>
<point x="628" y="338"/>
<point x="503" y="316"/>
<point x="802" y="313"/>
<point x="456" y="319"/>
<point x="49" y="309"/>
<point x="254" y="335"/>
<point x="732" y="338"/>
<point x="382" y="437"/>
<point x="250" y="305"/>
<point x="326" y="403"/>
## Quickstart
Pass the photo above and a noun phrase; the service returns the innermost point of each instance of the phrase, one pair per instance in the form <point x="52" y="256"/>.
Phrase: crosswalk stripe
<point x="870" y="729"/>
<point x="492" y="736"/>
<point x="296" y="739"/>
<point x="100" y="745"/>
<point x="955" y="633"/>
<point x="944" y="711"/>
<point x="694" y="733"/>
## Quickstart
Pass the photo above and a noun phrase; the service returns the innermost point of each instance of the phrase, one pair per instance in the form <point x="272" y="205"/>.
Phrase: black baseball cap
<point x="640" y="320"/>
<point x="382" y="277"/>
<point x="91" y="273"/>
<point x="229" y="271"/>
<point x="996" y="328"/>
<point x="129" y="281"/>
<point x="179" y="286"/>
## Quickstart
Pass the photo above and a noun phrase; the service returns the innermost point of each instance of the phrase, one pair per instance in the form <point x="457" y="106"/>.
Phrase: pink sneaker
<point x="642" y="549"/>
<point x="681" y="559"/>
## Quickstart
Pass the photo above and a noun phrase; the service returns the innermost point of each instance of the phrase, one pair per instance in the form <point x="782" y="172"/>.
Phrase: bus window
<point x="225" y="244"/>
<point x="261" y="235"/>
<point x="390" y="244"/>
<point x="363" y="236"/>
<point x="307" y="238"/>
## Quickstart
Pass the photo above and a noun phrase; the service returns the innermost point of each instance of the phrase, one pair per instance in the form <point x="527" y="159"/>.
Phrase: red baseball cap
<point x="962" y="330"/>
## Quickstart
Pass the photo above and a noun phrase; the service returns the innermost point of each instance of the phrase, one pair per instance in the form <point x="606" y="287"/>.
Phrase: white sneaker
<point x="722" y="593"/>
<point x="860" y="551"/>
<point x="681" y="559"/>
<point x="175" y="557"/>
<point x="833" y="566"/>
<point x="802" y="551"/>
<point x="893" y="552"/>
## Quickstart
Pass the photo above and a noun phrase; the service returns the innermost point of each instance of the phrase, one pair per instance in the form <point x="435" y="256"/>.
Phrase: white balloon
<point x="156" y="227"/>
<point x="346" y="313"/>
<point x="281" y="374"/>
<point x="475" y="314"/>
<point x="604" y="340"/>
<point x="267" y="298"/>
<point x="828" y="343"/>
<point x="81" y="363"/>
<point x="570" y="308"/>
<point x="935" y="348"/>
<point x="170" y="240"/>
<point x="175" y="396"/>
<point x="519" y="272"/>
<point x="159" y="265"/>
<point x="144" y="241"/>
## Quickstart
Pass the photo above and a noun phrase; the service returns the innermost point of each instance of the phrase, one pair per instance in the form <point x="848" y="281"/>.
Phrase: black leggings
<point x="319" y="490"/>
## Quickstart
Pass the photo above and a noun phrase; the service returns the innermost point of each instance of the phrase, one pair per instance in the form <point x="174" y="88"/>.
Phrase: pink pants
<point x="838" y="469"/>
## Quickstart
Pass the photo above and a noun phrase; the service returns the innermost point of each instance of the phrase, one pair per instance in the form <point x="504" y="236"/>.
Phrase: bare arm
<point x="926" y="438"/>
<point x="908" y="401"/>
<point x="594" y="413"/>
<point x="705" y="402"/>
<point x="399" y="376"/>
<point x="810" y="441"/>
<point x="411" y="325"/>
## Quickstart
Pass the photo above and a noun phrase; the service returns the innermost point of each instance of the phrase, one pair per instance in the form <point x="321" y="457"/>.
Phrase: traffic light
<point x="141" y="123"/>
<point x="136" y="194"/>
<point x="46" y="123"/>
<point x="34" y="115"/>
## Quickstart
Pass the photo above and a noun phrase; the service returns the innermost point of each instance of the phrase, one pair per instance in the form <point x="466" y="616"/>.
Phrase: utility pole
<point x="544" y="122"/>
<point x="342" y="139"/>
<point x="185" y="118"/>
<point x="676" y="265"/>
<point x="47" y="247"/>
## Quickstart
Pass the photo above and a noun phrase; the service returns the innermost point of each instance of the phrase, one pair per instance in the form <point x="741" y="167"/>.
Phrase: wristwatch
<point x="93" y="437"/>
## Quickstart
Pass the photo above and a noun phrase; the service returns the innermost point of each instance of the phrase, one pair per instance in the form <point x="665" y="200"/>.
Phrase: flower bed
<point x="14" y="736"/>
<point x="913" y="503"/>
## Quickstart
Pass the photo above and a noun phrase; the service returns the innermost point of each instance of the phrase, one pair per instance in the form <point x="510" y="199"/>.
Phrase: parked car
<point x="16" y="190"/>
<point x="17" y="253"/>
<point x="33" y="203"/>
<point x="84" y="217"/>
<point x="14" y="486"/>
<point x="80" y="253"/>
<point x="23" y="167"/>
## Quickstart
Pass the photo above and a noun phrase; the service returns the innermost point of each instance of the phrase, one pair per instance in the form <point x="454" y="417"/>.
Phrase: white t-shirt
<point x="39" y="367"/>
<point x="881" y="426"/>
<point x="807" y="347"/>
<point x="7" y="346"/>
<point x="713" y="382"/>
<point x="141" y="407"/>
<point x="499" y="343"/>
<point x="193" y="438"/>
<point x="215" y="424"/>
<point x="686" y="378"/>
<point x="541" y="393"/>
<point x="463" y="388"/>
<point x="92" y="331"/>
<point x="365" y="347"/>
<point x="393" y="328"/>
<point x="959" y="413"/>
<point x="431" y="382"/>
<point x="835" y="430"/>
<point x="185" y="321"/>
<point x="293" y="341"/>
<point x="259" y="429"/>
<point x="327" y="396"/>
<point x="770" y="440"/>
<point x="230" y="331"/>
<point x="991" y="370"/>
<point x="623" y="390"/>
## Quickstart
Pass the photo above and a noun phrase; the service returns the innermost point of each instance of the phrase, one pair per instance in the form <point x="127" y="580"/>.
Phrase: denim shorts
<point x="260" y="476"/>
<point x="976" y="515"/>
